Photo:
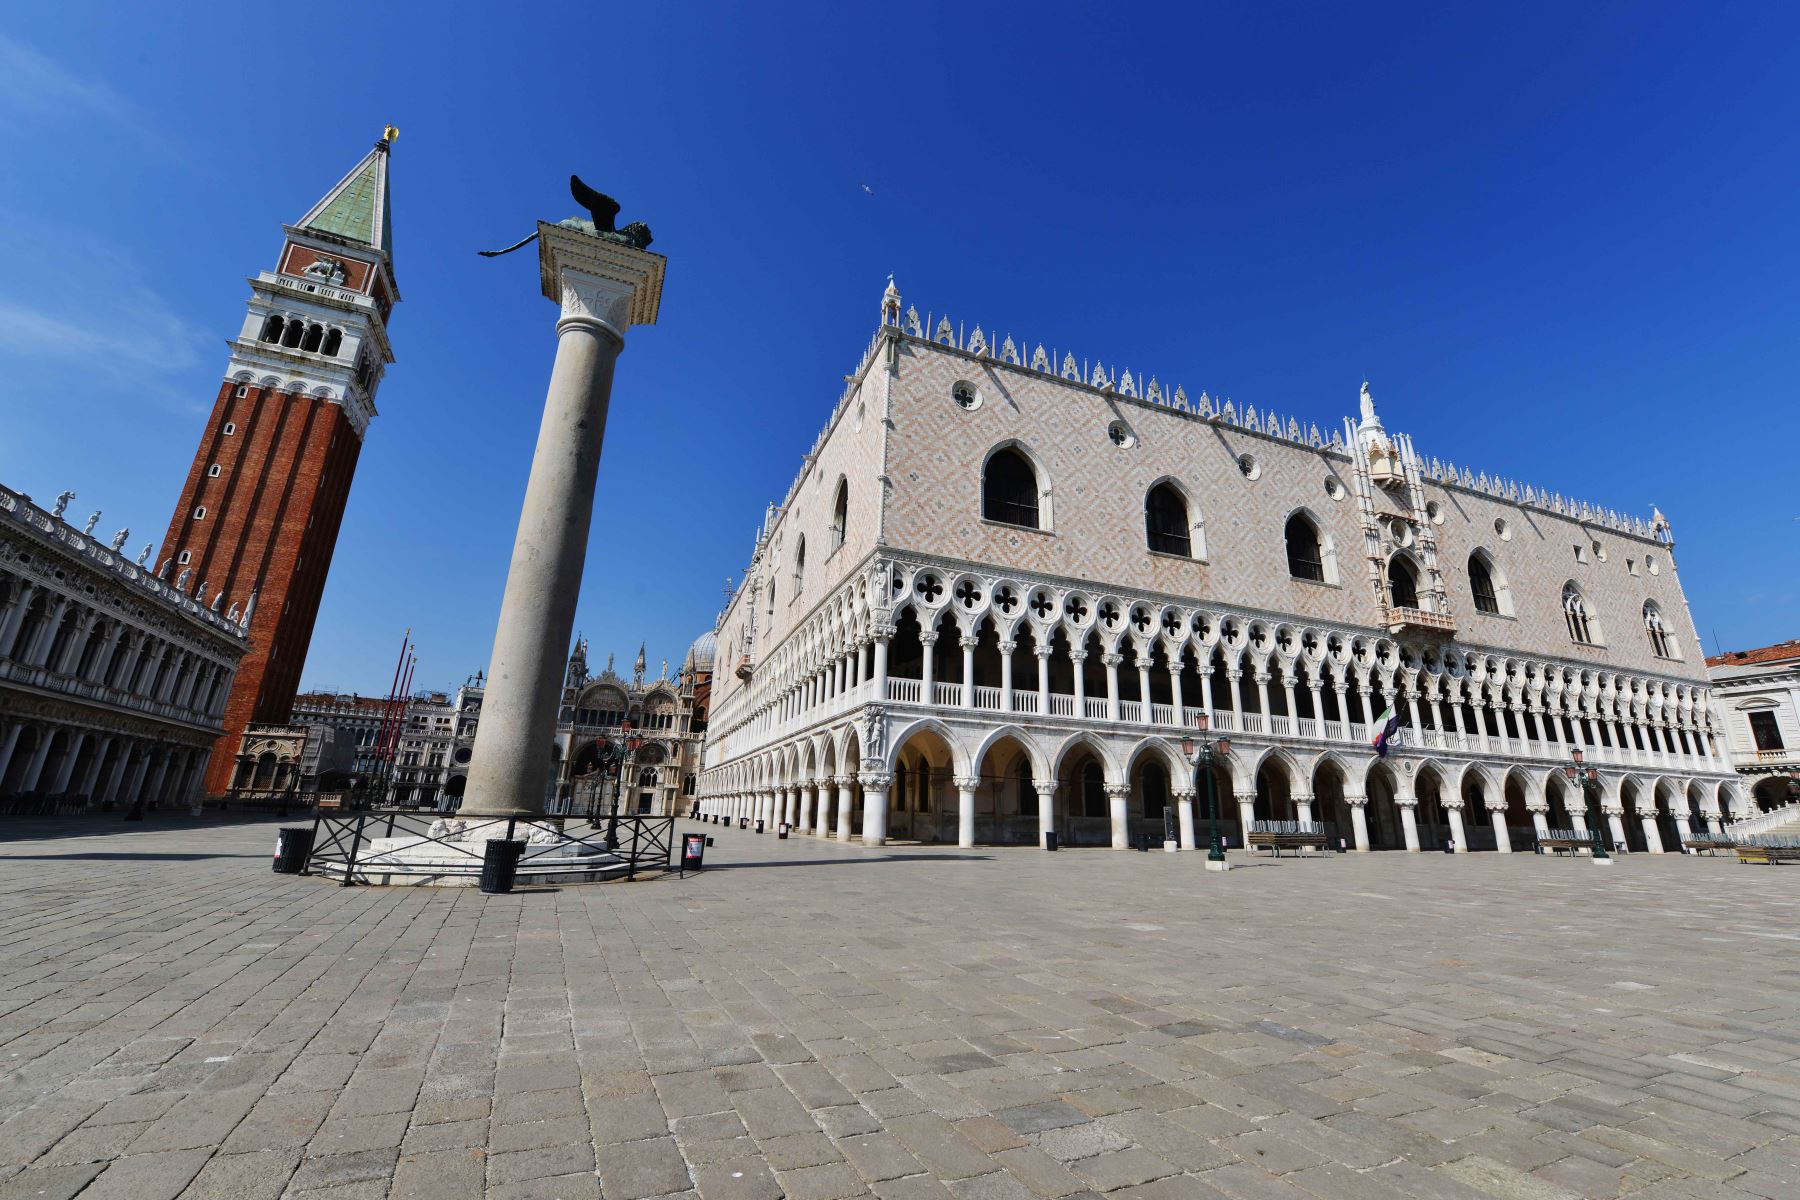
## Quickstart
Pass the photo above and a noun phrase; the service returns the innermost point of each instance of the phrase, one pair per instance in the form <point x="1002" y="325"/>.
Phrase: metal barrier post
<point x="307" y="869"/>
<point x="355" y="844"/>
<point x="631" y="863"/>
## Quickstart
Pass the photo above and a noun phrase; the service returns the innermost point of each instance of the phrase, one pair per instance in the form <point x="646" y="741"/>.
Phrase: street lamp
<point x="1589" y="780"/>
<point x="1202" y="755"/>
<point x="632" y="742"/>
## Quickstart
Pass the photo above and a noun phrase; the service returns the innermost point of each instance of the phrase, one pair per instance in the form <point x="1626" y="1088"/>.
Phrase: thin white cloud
<point x="52" y="315"/>
<point x="35" y="87"/>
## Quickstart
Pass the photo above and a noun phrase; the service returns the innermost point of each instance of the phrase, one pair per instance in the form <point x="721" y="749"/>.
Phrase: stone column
<point x="1652" y="836"/>
<point x="1116" y="794"/>
<point x="968" y="680"/>
<point x="1409" y="822"/>
<point x="1615" y="824"/>
<point x="843" y="807"/>
<point x="28" y="782"/>
<point x="965" y="809"/>
<point x="1540" y="820"/>
<point x="1077" y="658"/>
<point x="66" y="768"/>
<point x="808" y="794"/>
<point x="8" y="744"/>
<point x="1111" y="663"/>
<point x="1456" y="827"/>
<point x="1184" y="814"/>
<point x="1006" y="678"/>
<point x="1246" y="814"/>
<point x="1303" y="807"/>
<point x="604" y="287"/>
<point x="875" y="786"/>
<point x="1042" y="654"/>
<point x="1359" y="820"/>
<point x="1502" y="838"/>
<point x="881" y="667"/>
<point x="1046" y="793"/>
<point x="1144" y="689"/>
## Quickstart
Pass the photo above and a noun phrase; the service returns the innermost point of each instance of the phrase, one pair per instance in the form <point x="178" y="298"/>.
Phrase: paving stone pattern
<point x="815" y="1021"/>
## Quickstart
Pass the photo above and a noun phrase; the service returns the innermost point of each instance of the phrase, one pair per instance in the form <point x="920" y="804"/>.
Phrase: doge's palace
<point x="1008" y="582"/>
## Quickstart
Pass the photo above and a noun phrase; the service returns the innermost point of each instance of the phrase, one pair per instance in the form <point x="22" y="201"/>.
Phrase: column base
<point x="1600" y="862"/>
<point x="1217" y="865"/>
<point x="1171" y="847"/>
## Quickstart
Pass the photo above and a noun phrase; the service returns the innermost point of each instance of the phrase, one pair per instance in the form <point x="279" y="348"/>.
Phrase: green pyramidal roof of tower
<point x="354" y="207"/>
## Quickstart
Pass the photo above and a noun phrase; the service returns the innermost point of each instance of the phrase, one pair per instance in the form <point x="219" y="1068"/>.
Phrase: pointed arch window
<point x="799" y="567"/>
<point x="1575" y="615"/>
<point x="1403" y="583"/>
<point x="1661" y="643"/>
<point x="1009" y="489"/>
<point x="1166" y="521"/>
<point x="1481" y="585"/>
<point x="1305" y="554"/>
<point x="840" y="514"/>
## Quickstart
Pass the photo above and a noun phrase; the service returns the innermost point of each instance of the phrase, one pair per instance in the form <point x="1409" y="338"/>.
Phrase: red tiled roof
<point x="1779" y="652"/>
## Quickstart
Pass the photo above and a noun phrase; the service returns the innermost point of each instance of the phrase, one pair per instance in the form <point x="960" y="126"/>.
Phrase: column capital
<point x="968" y="783"/>
<point x="1111" y="659"/>
<point x="1116" y="791"/>
<point x="1045" y="789"/>
<point x="1245" y="797"/>
<point x="1008" y="647"/>
<point x="598" y="279"/>
<point x="1184" y="795"/>
<point x="876" y="780"/>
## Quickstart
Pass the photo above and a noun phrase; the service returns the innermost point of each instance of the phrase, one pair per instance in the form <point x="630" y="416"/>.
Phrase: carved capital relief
<point x="586" y="296"/>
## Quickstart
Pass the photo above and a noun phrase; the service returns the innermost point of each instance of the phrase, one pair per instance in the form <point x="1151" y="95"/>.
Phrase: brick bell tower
<point x="258" y="517"/>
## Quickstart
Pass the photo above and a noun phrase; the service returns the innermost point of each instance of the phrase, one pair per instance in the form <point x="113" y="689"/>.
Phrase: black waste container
<point x="693" y="851"/>
<point x="743" y="822"/>
<point x="781" y="831"/>
<point x="293" y="846"/>
<point x="500" y="865"/>
<point x="1050" y="840"/>
<point x="759" y="824"/>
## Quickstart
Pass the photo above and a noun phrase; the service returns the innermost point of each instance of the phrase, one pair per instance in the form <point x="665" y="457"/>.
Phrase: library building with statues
<point x="1015" y="595"/>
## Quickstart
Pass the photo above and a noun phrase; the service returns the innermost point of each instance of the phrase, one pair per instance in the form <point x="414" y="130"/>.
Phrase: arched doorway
<point x="1431" y="816"/>
<point x="1478" y="811"/>
<point x="922" y="799"/>
<point x="1006" y="800"/>
<point x="1382" y="813"/>
<point x="1635" y="798"/>
<point x="1152" y="791"/>
<point x="1330" y="808"/>
<point x="1521" y="831"/>
<point x="1083" y="813"/>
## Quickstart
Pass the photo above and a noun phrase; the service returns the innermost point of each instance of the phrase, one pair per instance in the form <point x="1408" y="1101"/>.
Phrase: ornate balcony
<point x="1417" y="620"/>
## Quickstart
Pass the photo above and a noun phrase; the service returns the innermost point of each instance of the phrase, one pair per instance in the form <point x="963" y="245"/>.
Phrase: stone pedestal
<point x="604" y="288"/>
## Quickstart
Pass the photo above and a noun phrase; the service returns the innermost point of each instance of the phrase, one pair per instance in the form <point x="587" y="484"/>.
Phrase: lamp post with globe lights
<point x="1588" y="779"/>
<point x="1203" y="753"/>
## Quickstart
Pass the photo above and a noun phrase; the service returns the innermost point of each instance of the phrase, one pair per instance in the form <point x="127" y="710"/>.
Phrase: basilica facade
<point x="1014" y="594"/>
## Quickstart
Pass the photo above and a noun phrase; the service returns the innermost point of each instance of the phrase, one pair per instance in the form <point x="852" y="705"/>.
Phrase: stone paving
<point x="814" y="1021"/>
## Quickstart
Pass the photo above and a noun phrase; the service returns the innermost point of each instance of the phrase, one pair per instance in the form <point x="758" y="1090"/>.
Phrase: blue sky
<point x="1561" y="244"/>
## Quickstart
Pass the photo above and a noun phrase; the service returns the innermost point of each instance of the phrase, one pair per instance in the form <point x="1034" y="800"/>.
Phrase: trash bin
<point x="781" y="830"/>
<point x="759" y="824"/>
<point x="709" y="839"/>
<point x="693" y="851"/>
<point x="743" y="822"/>
<point x="293" y="846"/>
<point x="1050" y="840"/>
<point x="499" y="865"/>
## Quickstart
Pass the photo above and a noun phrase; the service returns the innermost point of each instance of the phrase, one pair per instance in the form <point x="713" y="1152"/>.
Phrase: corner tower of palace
<point x="1007" y="582"/>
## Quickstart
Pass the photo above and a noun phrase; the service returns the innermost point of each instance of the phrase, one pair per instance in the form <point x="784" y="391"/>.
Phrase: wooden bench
<point x="1277" y="842"/>
<point x="1768" y="854"/>
<point x="1709" y="845"/>
<point x="1566" y="842"/>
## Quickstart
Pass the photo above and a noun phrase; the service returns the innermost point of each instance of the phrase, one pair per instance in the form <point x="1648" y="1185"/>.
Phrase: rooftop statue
<point x="603" y="210"/>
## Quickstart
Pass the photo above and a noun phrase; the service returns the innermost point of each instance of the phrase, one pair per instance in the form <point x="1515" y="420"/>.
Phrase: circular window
<point x="1651" y="565"/>
<point x="1334" y="487"/>
<point x="462" y="754"/>
<point x="1120" y="435"/>
<point x="1400" y="531"/>
<point x="1503" y="529"/>
<point x="1249" y="466"/>
<point x="965" y="395"/>
<point x="1435" y="512"/>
